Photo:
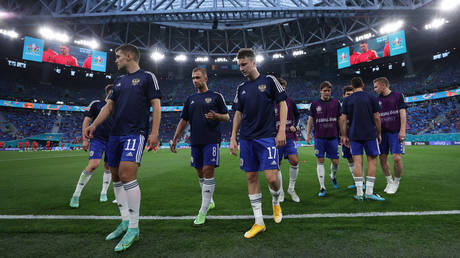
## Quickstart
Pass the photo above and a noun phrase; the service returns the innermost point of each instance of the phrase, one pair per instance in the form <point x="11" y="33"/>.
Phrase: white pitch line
<point x="234" y="217"/>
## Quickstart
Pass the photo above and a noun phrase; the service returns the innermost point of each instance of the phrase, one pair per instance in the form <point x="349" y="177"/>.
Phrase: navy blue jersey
<point x="360" y="108"/>
<point x="102" y="131"/>
<point x="256" y="101"/>
<point x="132" y="94"/>
<point x="204" y="131"/>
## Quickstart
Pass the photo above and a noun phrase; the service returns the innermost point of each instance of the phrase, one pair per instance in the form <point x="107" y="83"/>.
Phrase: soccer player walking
<point x="129" y="105"/>
<point x="204" y="110"/>
<point x="254" y="107"/>
<point x="324" y="114"/>
<point x="96" y="148"/>
<point x="393" y="116"/>
<point x="289" y="151"/>
<point x="362" y="111"/>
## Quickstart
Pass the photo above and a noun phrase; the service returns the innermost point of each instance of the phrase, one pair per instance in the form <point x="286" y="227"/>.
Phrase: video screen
<point x="39" y="50"/>
<point x="367" y="50"/>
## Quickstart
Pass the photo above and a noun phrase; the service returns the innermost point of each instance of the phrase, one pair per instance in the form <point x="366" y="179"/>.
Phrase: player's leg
<point x="356" y="149"/>
<point x="332" y="153"/>
<point x="320" y="171"/>
<point x="372" y="151"/>
<point x="106" y="178"/>
<point x="114" y="152"/>
<point x="249" y="164"/>
<point x="397" y="149"/>
<point x="384" y="150"/>
<point x="95" y="156"/>
<point x="268" y="157"/>
<point x="293" y="174"/>
<point x="280" y="175"/>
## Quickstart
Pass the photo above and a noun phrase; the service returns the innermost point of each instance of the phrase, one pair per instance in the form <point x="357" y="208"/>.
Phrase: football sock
<point x="320" y="172"/>
<point x="133" y="192"/>
<point x="280" y="177"/>
<point x="359" y="185"/>
<point x="122" y="199"/>
<point x="82" y="181"/>
<point x="396" y="181"/>
<point x="370" y="185"/>
<point x="106" y="178"/>
<point x="256" y="203"/>
<point x="350" y="167"/>
<point x="334" y="169"/>
<point x="206" y="194"/>
<point x="293" y="173"/>
<point x="275" y="196"/>
<point x="389" y="179"/>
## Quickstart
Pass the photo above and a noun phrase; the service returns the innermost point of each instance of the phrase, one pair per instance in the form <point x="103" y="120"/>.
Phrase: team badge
<point x="241" y="162"/>
<point x="208" y="100"/>
<point x="316" y="151"/>
<point x="380" y="103"/>
<point x="276" y="111"/>
<point x="318" y="109"/>
<point x="262" y="87"/>
<point x="191" y="159"/>
<point x="91" y="153"/>
<point x="135" y="81"/>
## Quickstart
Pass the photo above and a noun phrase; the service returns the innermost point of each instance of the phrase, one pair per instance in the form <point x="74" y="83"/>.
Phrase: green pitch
<point x="41" y="183"/>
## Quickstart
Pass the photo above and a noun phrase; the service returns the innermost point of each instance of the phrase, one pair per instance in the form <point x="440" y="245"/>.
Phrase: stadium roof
<point x="211" y="27"/>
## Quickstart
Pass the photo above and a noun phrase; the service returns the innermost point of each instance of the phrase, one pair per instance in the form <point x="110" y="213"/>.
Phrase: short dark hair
<point x="131" y="49"/>
<point x="108" y="88"/>
<point x="325" y="84"/>
<point x="246" y="52"/>
<point x="347" y="89"/>
<point x="383" y="80"/>
<point x="357" y="82"/>
<point x="282" y="81"/>
<point x="201" y="69"/>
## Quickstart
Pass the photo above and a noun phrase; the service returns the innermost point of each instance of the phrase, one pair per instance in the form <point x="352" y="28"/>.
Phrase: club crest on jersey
<point x="208" y="100"/>
<point x="262" y="87"/>
<point x="91" y="153"/>
<point x="136" y="81"/>
<point x="241" y="162"/>
<point x="318" y="109"/>
<point x="380" y="103"/>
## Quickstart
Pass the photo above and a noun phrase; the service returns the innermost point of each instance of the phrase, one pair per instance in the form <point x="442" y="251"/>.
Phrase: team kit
<point x="265" y="123"/>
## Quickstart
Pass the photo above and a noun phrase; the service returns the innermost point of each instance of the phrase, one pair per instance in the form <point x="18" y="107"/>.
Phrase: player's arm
<point x="103" y="115"/>
<point x="402" y="130"/>
<point x="378" y="126"/>
<point x="309" y="125"/>
<point x="216" y="116"/>
<point x="156" y="118"/>
<point x="235" y="129"/>
<point x="296" y="114"/>
<point x="180" y="128"/>
<point x="85" y="124"/>
<point x="281" y="135"/>
<point x="343" y="130"/>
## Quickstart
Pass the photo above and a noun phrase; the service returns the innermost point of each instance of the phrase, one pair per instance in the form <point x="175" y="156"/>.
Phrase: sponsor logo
<point x="244" y="92"/>
<point x="118" y="84"/>
<point x="276" y="111"/>
<point x="208" y="100"/>
<point x="192" y="102"/>
<point x="213" y="160"/>
<point x="318" y="109"/>
<point x="130" y="154"/>
<point x="262" y="87"/>
<point x="274" y="163"/>
<point x="135" y="81"/>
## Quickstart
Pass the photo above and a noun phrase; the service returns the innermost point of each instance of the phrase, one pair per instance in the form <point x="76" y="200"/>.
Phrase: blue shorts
<point x="96" y="149"/>
<point x="371" y="147"/>
<point x="328" y="146"/>
<point x="288" y="149"/>
<point x="258" y="155"/>
<point x="390" y="142"/>
<point x="205" y="155"/>
<point x="346" y="153"/>
<point x="125" y="148"/>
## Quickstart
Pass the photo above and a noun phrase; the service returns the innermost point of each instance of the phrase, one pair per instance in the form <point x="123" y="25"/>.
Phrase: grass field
<point x="41" y="183"/>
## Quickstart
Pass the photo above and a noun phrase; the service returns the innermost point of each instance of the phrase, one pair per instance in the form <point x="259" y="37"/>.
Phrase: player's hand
<point x="85" y="145"/>
<point x="172" y="146"/>
<point x="152" y="141"/>
<point x="211" y="115"/>
<point x="309" y="139"/>
<point x="280" y="139"/>
<point x="379" y="138"/>
<point x="89" y="132"/>
<point x="292" y="129"/>
<point x="402" y="136"/>
<point x="233" y="146"/>
<point x="345" y="141"/>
